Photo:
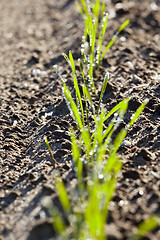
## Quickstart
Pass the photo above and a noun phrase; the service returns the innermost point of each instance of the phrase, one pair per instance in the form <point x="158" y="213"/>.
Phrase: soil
<point x="34" y="34"/>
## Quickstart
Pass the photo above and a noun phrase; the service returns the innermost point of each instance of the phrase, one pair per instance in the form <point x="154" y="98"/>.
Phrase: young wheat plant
<point x="94" y="153"/>
<point x="86" y="207"/>
<point x="96" y="20"/>
<point x="94" y="148"/>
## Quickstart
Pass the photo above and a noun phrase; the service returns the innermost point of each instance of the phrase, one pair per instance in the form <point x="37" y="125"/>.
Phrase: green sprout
<point x="49" y="149"/>
<point x="78" y="111"/>
<point x="96" y="20"/>
<point x="145" y="227"/>
<point x="94" y="146"/>
<point x="86" y="208"/>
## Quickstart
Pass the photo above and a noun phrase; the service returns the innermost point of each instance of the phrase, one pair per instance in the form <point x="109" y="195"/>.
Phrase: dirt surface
<point x="34" y="34"/>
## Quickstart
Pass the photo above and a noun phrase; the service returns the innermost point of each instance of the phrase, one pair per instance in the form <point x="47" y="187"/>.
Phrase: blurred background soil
<point x="33" y="36"/>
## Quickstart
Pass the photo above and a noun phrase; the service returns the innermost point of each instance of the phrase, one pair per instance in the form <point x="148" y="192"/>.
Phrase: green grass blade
<point x="117" y="107"/>
<point x="119" y="117"/>
<point x="104" y="24"/>
<point x="72" y="62"/>
<point x="66" y="57"/>
<point x="87" y="141"/>
<point x="145" y="227"/>
<point x="80" y="8"/>
<point x="122" y="108"/>
<point x="78" y="95"/>
<point x="113" y="165"/>
<point x="103" y="90"/>
<point x="98" y="132"/>
<point x="75" y="148"/>
<point x="109" y="137"/>
<point x="93" y="216"/>
<point x="92" y="38"/>
<point x="89" y="99"/>
<point x="96" y="13"/>
<point x="100" y="40"/>
<point x="62" y="194"/>
<point x="114" y="38"/>
<point x="72" y="106"/>
<point x="82" y="71"/>
<point x="76" y="157"/>
<point x="148" y="225"/>
<point x="137" y="113"/>
<point x="70" y="102"/>
<point x="123" y="25"/>
<point x="107" y="131"/>
<point x="103" y="9"/>
<point x="58" y="221"/>
<point x="49" y="149"/>
<point x="100" y="153"/>
<point x="58" y="73"/>
<point x="119" y="139"/>
<point x="122" y="134"/>
<point x="96" y="9"/>
<point x="86" y="106"/>
<point x="84" y="6"/>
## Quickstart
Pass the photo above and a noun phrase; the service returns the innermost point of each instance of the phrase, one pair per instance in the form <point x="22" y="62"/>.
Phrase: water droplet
<point x="101" y="176"/>
<point x="126" y="143"/>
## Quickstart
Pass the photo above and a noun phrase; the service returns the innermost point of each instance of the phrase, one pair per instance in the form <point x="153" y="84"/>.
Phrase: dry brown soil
<point x="33" y="35"/>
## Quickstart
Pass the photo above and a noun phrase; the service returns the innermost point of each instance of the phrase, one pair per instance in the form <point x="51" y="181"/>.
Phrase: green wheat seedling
<point x="96" y="20"/>
<point x="96" y="155"/>
<point x="94" y="149"/>
<point x="86" y="206"/>
<point x="77" y="109"/>
<point x="49" y="150"/>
